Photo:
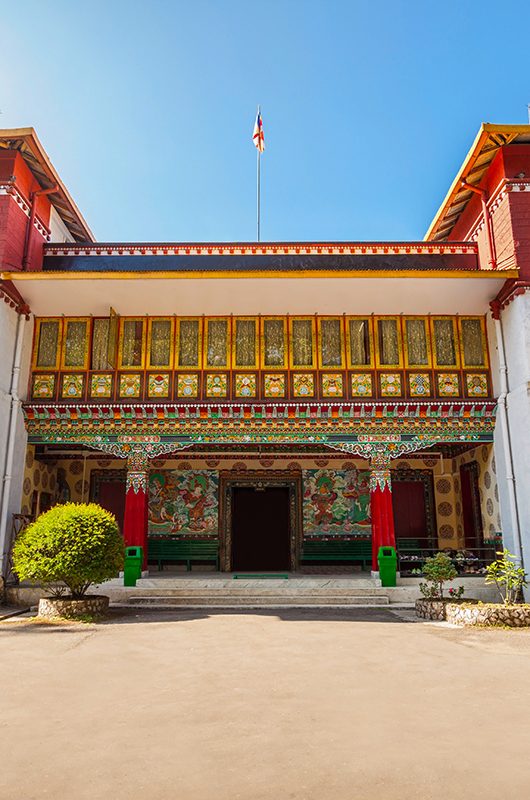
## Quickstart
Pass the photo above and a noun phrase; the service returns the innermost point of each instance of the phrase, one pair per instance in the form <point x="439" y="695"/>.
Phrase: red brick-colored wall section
<point x="519" y="203"/>
<point x="14" y="220"/>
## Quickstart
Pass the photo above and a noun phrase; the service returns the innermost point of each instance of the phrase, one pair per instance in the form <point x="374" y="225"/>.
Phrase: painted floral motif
<point x="303" y="385"/>
<point x="332" y="384"/>
<point x="274" y="385"/>
<point x="44" y="386"/>
<point x="336" y="502"/>
<point x="477" y="385"/>
<point x="73" y="387"/>
<point x="420" y="384"/>
<point x="390" y="384"/>
<point x="216" y="385"/>
<point x="245" y="385"/>
<point x="448" y="384"/>
<point x="158" y="385"/>
<point x="361" y="384"/>
<point x="101" y="386"/>
<point x="188" y="386"/>
<point x="130" y="385"/>
<point x="183" y="503"/>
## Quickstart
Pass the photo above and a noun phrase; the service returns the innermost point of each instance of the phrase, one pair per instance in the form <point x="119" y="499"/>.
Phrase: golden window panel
<point x="100" y="343"/>
<point x="417" y="342"/>
<point x="132" y="342"/>
<point x="473" y="342"/>
<point x="389" y="351"/>
<point x="160" y="342"/>
<point x="189" y="342"/>
<point x="359" y="342"/>
<point x="47" y="343"/>
<point x="331" y="342"/>
<point x="217" y="343"/>
<point x="302" y="344"/>
<point x="445" y="342"/>
<point x="245" y="342"/>
<point x="75" y="343"/>
<point x="273" y="343"/>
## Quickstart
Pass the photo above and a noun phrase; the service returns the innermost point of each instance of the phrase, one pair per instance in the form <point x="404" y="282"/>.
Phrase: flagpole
<point x="259" y="192"/>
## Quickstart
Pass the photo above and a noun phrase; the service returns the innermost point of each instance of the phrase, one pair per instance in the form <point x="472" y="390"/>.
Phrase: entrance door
<point x="471" y="505"/>
<point x="111" y="496"/>
<point x="410" y="513"/>
<point x="260" y="528"/>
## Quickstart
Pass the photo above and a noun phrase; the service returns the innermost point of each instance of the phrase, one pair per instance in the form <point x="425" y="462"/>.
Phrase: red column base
<point x="135" y="520"/>
<point x="382" y="522"/>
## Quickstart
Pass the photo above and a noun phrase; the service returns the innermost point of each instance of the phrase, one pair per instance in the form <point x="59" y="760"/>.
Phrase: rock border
<point x="488" y="614"/>
<point x="437" y="609"/>
<point x="94" y="605"/>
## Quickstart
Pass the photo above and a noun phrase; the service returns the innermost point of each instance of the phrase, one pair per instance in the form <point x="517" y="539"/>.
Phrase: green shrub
<point x="76" y="543"/>
<point x="508" y="577"/>
<point x="437" y="570"/>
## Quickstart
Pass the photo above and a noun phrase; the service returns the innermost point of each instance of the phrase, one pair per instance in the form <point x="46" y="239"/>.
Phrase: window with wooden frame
<point x="188" y="346"/>
<point x="445" y="342"/>
<point x="389" y="350"/>
<point x="416" y="337"/>
<point x="160" y="342"/>
<point x="76" y="340"/>
<point x="302" y="342"/>
<point x="359" y="342"/>
<point x="473" y="349"/>
<point x="245" y="332"/>
<point x="132" y="343"/>
<point x="47" y="347"/>
<point x="273" y="340"/>
<point x="331" y="342"/>
<point x="217" y="343"/>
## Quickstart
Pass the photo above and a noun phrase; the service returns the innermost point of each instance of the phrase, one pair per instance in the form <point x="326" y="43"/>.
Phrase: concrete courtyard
<point x="318" y="704"/>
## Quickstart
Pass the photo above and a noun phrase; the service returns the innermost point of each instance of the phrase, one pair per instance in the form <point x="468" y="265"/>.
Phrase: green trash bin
<point x="387" y="561"/>
<point x="132" y="568"/>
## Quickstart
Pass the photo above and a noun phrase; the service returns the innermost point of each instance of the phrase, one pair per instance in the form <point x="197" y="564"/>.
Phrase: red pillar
<point x="136" y="496"/>
<point x="381" y="510"/>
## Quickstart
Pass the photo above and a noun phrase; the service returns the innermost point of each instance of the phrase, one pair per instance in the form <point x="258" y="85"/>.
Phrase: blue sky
<point x="147" y="109"/>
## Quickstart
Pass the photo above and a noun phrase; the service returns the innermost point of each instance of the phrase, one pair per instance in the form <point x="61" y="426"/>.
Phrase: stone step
<point x="277" y="600"/>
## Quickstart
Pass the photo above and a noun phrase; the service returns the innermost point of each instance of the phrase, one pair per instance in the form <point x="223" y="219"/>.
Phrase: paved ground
<point x="323" y="705"/>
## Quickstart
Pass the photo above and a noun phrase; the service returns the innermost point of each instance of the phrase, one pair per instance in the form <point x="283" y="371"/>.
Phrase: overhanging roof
<point x="26" y="142"/>
<point x="488" y="141"/>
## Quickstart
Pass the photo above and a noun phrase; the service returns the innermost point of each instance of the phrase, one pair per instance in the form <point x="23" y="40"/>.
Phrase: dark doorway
<point x="260" y="528"/>
<point x="108" y="489"/>
<point x="410" y="512"/>
<point x="471" y="505"/>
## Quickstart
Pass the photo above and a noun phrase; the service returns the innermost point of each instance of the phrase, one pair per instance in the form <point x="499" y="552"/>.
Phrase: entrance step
<point x="232" y="600"/>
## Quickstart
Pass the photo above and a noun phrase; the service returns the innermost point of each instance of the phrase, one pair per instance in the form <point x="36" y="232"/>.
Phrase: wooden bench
<point x="164" y="550"/>
<point x="351" y="551"/>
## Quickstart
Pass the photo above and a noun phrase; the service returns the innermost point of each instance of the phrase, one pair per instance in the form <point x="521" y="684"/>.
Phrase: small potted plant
<point x="437" y="570"/>
<point x="66" y="550"/>
<point x="510" y="579"/>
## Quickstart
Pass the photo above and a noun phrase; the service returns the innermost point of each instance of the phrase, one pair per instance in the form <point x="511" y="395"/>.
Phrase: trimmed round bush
<point x="76" y="543"/>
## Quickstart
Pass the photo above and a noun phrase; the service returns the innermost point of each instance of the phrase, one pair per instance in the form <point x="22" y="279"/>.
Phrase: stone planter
<point x="490" y="614"/>
<point x="437" y="609"/>
<point x="94" y="605"/>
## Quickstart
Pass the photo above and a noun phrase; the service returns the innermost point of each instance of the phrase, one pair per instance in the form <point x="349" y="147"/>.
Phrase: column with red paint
<point x="381" y="508"/>
<point x="136" y="502"/>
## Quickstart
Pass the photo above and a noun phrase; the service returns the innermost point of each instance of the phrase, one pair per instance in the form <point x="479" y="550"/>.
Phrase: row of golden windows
<point x="254" y="342"/>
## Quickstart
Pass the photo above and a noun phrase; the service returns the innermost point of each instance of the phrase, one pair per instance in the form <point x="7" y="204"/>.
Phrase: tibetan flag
<point x="257" y="137"/>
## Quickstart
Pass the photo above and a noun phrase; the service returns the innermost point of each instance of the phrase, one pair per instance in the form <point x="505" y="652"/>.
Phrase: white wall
<point x="58" y="230"/>
<point x="12" y="499"/>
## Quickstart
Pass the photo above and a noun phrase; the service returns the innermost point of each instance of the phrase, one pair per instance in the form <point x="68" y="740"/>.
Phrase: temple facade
<point x="294" y="405"/>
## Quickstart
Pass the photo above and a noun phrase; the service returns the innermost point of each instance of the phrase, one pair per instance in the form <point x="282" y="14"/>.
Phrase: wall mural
<point x="183" y="502"/>
<point x="336" y="503"/>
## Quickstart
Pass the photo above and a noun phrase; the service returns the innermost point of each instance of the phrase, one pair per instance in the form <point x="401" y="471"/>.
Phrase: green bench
<point x="408" y="546"/>
<point x="351" y="551"/>
<point x="164" y="550"/>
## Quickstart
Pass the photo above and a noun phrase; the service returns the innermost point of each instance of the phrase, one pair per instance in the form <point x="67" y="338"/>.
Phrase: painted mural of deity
<point x="336" y="503"/>
<point x="183" y="503"/>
